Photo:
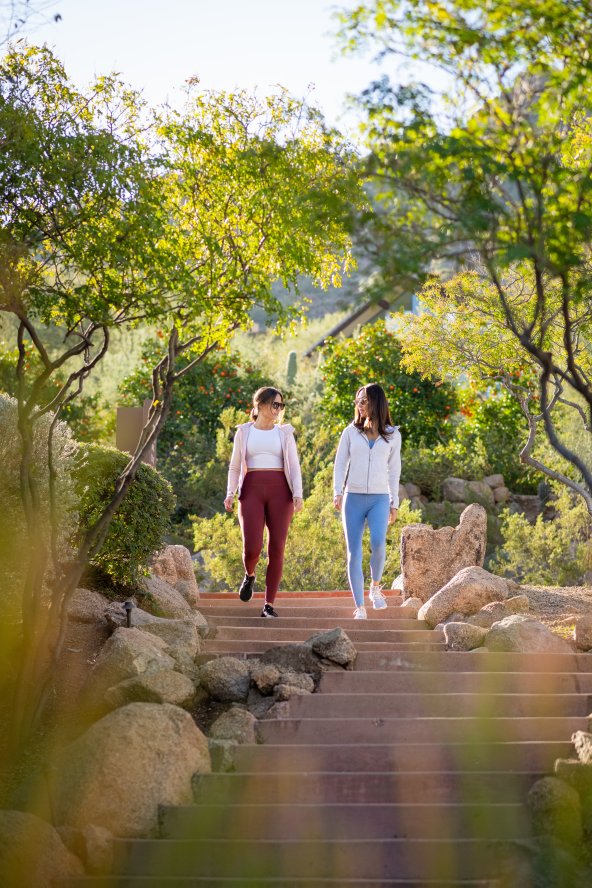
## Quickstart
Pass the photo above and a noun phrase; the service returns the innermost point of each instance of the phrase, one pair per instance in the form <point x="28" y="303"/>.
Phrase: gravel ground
<point x="558" y="605"/>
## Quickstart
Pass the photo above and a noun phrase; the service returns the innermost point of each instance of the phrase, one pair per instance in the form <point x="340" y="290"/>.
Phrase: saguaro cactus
<point x="291" y="368"/>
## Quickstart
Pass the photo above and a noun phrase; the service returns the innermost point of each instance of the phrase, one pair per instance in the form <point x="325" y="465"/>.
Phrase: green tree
<point x="422" y="408"/>
<point x="111" y="216"/>
<point x="491" y="168"/>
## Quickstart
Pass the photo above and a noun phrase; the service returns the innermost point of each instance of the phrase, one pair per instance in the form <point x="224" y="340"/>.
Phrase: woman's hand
<point x="393" y="515"/>
<point x="229" y="502"/>
<point x="338" y="502"/>
<point x="298" y="503"/>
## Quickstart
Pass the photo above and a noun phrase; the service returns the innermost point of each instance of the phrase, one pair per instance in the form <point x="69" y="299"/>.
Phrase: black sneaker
<point x="245" y="593"/>
<point x="268" y="611"/>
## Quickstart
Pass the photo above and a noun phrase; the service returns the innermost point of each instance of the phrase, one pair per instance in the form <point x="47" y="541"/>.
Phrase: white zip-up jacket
<point x="237" y="470"/>
<point x="360" y="468"/>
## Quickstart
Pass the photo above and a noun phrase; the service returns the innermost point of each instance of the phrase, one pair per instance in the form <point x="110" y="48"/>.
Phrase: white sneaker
<point x="376" y="597"/>
<point x="360" y="613"/>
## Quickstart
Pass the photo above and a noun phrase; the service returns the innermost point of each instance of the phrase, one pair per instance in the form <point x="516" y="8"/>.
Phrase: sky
<point x="156" y="45"/>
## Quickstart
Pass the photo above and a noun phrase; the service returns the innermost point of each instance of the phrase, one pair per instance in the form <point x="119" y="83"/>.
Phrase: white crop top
<point x="264" y="449"/>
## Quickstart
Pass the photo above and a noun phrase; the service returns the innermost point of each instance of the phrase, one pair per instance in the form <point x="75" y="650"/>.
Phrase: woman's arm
<point x="394" y="469"/>
<point x="294" y="467"/>
<point x="341" y="464"/>
<point x="234" y="467"/>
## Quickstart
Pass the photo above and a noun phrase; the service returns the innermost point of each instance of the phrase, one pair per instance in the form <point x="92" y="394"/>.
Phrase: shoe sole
<point x="246" y="596"/>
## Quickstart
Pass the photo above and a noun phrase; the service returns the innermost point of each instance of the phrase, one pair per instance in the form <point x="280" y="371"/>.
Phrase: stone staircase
<point x="408" y="771"/>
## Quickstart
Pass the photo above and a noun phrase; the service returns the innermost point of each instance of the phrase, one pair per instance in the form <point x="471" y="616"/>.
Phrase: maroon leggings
<point x="265" y="501"/>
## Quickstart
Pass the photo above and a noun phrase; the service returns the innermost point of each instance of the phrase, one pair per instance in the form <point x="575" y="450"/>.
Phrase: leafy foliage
<point x="57" y="510"/>
<point x="138" y="529"/>
<point x="422" y="408"/>
<point x="490" y="169"/>
<point x="552" y="553"/>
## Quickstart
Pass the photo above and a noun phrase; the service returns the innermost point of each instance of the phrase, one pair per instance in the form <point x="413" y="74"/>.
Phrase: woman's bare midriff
<point x="265" y="470"/>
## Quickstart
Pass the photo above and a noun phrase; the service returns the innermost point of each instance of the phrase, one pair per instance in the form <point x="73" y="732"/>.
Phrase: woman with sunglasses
<point x="366" y="489"/>
<point x="265" y="470"/>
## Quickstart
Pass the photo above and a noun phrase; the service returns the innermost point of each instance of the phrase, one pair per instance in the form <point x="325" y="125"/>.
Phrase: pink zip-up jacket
<point x="238" y="462"/>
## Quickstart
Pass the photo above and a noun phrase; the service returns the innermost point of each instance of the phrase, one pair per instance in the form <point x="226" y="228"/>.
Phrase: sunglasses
<point x="277" y="405"/>
<point x="361" y="401"/>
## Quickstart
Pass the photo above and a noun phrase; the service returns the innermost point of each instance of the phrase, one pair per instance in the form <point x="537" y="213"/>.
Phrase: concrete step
<point x="494" y="756"/>
<point x="283" y="634"/>
<point x="392" y="618"/>
<point x="146" y="881"/>
<point x="335" y="706"/>
<point x="328" y="732"/>
<point x="337" y="821"/>
<point x="235" y="647"/>
<point x="437" y="787"/>
<point x="472" y="661"/>
<point x="338" y="599"/>
<point x="355" y="859"/>
<point x="417" y="682"/>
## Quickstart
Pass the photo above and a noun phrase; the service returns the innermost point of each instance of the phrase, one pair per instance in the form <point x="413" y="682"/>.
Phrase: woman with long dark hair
<point x="265" y="470"/>
<point x="366" y="489"/>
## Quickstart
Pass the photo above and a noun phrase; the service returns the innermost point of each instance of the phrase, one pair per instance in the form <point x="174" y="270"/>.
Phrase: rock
<point x="258" y="704"/>
<point x="222" y="754"/>
<point x="524" y="634"/>
<point x="175" y="566"/>
<point x="236" y="725"/>
<point x="127" y="764"/>
<point x="284" y="692"/>
<point x="501" y="495"/>
<point x="430" y="558"/>
<point x="412" y="489"/>
<point x="279" y="710"/>
<point x="529" y="506"/>
<point x="582" y="633"/>
<point x="582" y="741"/>
<point x="519" y="603"/>
<point x="300" y="680"/>
<point x="403" y="495"/>
<point x="555" y="810"/>
<point x="32" y="854"/>
<point x="335" y="646"/>
<point x="165" y="686"/>
<point x="180" y="636"/>
<point x="86" y="606"/>
<point x="497" y="610"/>
<point x="463" y="636"/>
<point x="126" y="654"/>
<point x="465" y="593"/>
<point x="480" y="492"/>
<point x="162" y="600"/>
<point x="92" y="844"/>
<point x="294" y="658"/>
<point x="457" y="507"/>
<point x="494" y="481"/>
<point x="265" y="677"/>
<point x="416" y="502"/>
<point x="411" y="606"/>
<point x="226" y="679"/>
<point x="454" y="490"/>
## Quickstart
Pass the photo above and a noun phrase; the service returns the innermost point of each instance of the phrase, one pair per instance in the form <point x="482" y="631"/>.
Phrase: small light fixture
<point x="128" y="607"/>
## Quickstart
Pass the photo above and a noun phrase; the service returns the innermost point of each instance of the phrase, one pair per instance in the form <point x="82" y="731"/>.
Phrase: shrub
<point x="422" y="408"/>
<point x="315" y="551"/>
<point x="486" y="441"/>
<point x="139" y="526"/>
<point x="556" y="552"/>
<point x="13" y="529"/>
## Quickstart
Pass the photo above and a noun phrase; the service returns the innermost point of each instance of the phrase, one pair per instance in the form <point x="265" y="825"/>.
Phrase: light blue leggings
<point x="357" y="509"/>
